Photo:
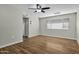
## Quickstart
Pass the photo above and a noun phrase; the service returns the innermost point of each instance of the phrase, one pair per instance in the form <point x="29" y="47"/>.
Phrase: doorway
<point x="26" y="27"/>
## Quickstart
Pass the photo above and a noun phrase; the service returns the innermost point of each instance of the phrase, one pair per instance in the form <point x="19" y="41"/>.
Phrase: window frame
<point x="64" y="22"/>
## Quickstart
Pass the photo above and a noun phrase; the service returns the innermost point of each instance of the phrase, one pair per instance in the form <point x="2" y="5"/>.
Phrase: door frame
<point x="24" y="32"/>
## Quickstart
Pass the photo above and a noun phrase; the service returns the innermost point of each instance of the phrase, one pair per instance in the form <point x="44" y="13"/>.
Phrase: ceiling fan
<point x="39" y="8"/>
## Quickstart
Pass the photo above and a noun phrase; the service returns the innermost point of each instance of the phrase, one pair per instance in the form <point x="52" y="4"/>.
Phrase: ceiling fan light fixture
<point x="38" y="10"/>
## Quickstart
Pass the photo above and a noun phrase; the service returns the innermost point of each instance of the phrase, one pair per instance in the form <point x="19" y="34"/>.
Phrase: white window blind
<point x="58" y="24"/>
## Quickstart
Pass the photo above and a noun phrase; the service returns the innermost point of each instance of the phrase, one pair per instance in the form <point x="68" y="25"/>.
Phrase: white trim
<point x="11" y="43"/>
<point x="33" y="35"/>
<point x="63" y="13"/>
<point x="78" y="41"/>
<point x="61" y="37"/>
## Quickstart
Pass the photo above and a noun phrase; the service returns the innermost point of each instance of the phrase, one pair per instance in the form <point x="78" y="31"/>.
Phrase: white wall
<point x="34" y="26"/>
<point x="71" y="33"/>
<point x="78" y="27"/>
<point x="11" y="25"/>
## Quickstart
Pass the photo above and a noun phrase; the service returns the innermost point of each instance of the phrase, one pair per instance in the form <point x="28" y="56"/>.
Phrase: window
<point x="58" y="24"/>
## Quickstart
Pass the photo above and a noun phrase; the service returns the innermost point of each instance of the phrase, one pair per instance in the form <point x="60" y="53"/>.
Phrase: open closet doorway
<point x="26" y="27"/>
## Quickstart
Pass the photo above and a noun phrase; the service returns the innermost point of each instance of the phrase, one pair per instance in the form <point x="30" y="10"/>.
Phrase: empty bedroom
<point x="39" y="28"/>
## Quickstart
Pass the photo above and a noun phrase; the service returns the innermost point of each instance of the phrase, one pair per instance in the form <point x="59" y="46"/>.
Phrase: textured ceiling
<point x="53" y="8"/>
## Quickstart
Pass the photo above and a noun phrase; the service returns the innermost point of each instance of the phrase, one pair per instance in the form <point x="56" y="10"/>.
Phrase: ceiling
<point x="54" y="8"/>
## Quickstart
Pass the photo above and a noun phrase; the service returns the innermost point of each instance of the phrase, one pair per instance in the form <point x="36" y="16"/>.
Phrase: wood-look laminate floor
<point x="43" y="45"/>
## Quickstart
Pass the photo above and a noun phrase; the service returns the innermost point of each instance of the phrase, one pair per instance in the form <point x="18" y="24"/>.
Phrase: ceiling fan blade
<point x="46" y="8"/>
<point x="43" y="11"/>
<point x="35" y="11"/>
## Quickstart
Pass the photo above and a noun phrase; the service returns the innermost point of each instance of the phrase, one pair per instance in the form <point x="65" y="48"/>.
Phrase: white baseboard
<point x="11" y="43"/>
<point x="61" y="37"/>
<point x="32" y="35"/>
<point x="78" y="41"/>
